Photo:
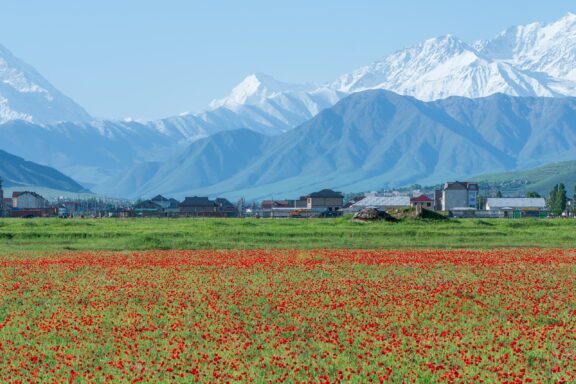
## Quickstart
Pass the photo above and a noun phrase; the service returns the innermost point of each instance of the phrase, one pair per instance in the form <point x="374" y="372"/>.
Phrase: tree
<point x="561" y="198"/>
<point x="557" y="199"/>
<point x="1" y="199"/>
<point x="499" y="194"/>
<point x="552" y="197"/>
<point x="481" y="202"/>
<point x="574" y="202"/>
<point x="533" y="195"/>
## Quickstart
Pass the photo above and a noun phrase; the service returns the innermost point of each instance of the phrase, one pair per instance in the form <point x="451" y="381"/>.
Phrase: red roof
<point x="421" y="199"/>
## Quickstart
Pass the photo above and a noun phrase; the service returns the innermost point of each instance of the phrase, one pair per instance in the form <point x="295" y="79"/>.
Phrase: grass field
<point x="342" y="233"/>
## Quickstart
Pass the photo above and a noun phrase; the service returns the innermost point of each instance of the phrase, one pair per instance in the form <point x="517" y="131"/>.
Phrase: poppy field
<point x="324" y="316"/>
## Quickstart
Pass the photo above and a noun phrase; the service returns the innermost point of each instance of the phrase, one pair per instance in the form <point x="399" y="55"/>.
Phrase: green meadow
<point x="341" y="233"/>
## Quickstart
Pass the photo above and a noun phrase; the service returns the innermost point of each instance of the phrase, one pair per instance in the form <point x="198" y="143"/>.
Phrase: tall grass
<point x="142" y="234"/>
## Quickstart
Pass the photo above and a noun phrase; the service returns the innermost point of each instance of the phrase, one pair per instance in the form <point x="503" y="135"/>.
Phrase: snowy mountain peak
<point x="254" y="89"/>
<point x="26" y="95"/>
<point x="547" y="50"/>
<point x="446" y="42"/>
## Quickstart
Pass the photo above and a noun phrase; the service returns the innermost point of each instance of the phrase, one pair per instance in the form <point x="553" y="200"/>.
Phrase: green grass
<point x="142" y="234"/>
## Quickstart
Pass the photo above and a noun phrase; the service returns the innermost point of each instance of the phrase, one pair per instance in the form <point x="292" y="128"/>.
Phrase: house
<point x="325" y="200"/>
<point x="226" y="207"/>
<point x="381" y="202"/>
<point x="147" y="208"/>
<point x="164" y="202"/>
<point x="197" y="206"/>
<point x="458" y="194"/>
<point x="28" y="200"/>
<point x="422" y="201"/>
<point x="517" y="207"/>
<point x="282" y="208"/>
<point x="270" y="204"/>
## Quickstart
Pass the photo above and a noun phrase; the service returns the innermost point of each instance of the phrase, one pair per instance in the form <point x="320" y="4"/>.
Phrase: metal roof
<point x="515" y="202"/>
<point x="384" y="201"/>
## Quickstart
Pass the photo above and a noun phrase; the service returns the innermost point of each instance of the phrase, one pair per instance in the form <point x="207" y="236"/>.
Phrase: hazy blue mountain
<point x="368" y="140"/>
<point x="17" y="172"/>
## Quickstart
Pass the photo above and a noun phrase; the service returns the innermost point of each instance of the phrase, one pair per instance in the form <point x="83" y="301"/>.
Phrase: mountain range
<point x="449" y="76"/>
<point x="17" y="172"/>
<point x="367" y="141"/>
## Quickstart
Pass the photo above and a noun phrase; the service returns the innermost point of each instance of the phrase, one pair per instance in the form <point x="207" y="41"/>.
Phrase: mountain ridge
<point x="371" y="140"/>
<point x="17" y="172"/>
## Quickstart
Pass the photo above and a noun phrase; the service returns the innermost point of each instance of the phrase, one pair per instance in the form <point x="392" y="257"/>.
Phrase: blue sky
<point x="151" y="59"/>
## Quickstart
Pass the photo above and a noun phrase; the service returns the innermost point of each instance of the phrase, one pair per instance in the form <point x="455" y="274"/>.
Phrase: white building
<point x="457" y="194"/>
<point x="382" y="202"/>
<point x="28" y="200"/>
<point x="516" y="207"/>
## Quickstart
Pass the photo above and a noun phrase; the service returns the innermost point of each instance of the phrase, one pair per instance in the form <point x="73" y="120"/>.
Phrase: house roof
<point x="174" y="203"/>
<point x="268" y="204"/>
<point x="421" y="199"/>
<point x="326" y="193"/>
<point x="197" y="201"/>
<point x="224" y="203"/>
<point x="18" y="194"/>
<point x="159" y="198"/>
<point x="454" y="185"/>
<point x="516" y="202"/>
<point x="147" y="204"/>
<point x="383" y="201"/>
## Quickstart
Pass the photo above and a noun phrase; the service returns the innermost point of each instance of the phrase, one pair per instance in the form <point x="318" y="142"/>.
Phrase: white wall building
<point x="28" y="200"/>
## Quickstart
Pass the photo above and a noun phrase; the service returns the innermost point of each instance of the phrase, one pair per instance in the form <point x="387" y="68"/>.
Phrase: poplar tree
<point x="552" y="198"/>
<point x="561" y="198"/>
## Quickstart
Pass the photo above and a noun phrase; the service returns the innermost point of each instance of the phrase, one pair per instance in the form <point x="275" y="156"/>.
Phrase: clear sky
<point x="151" y="59"/>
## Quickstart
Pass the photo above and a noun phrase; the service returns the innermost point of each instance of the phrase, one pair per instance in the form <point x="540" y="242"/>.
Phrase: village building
<point x="226" y="207"/>
<point x="147" y="208"/>
<point x="282" y="208"/>
<point x="28" y="200"/>
<point x="165" y="203"/>
<point x="197" y="206"/>
<point x="422" y="201"/>
<point x="381" y="202"/>
<point x="517" y="207"/>
<point x="457" y="194"/>
<point x="31" y="204"/>
<point x="325" y="200"/>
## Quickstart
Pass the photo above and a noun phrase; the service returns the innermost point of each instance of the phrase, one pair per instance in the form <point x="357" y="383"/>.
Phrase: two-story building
<point x="28" y="200"/>
<point x="457" y="194"/>
<point x="325" y="200"/>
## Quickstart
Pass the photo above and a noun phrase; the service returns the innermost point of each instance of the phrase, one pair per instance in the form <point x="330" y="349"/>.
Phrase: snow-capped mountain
<point x="532" y="60"/>
<point x="442" y="67"/>
<point x="26" y="95"/>
<point x="256" y="88"/>
<point x="270" y="106"/>
<point x="548" y="50"/>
